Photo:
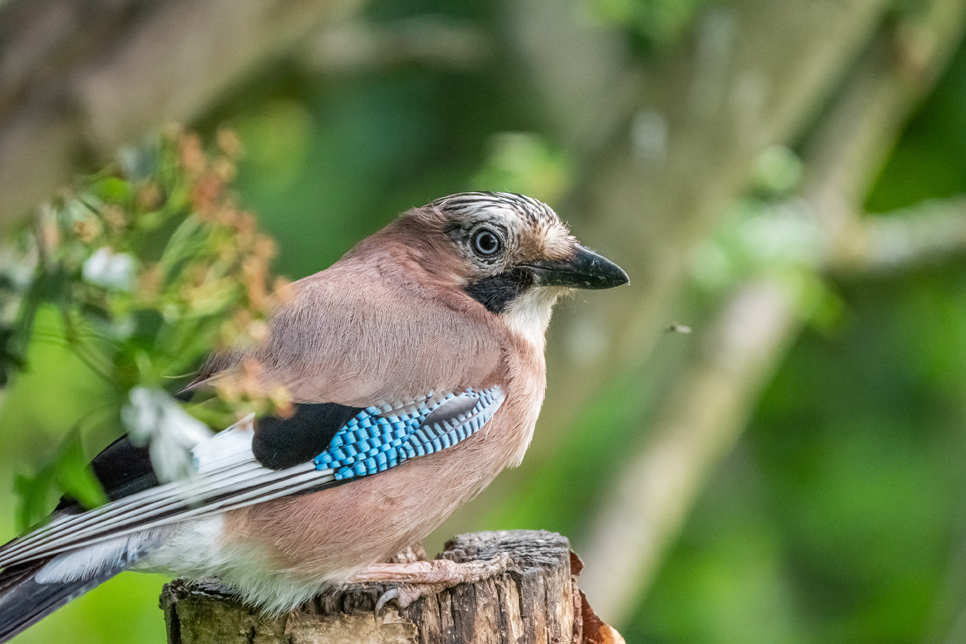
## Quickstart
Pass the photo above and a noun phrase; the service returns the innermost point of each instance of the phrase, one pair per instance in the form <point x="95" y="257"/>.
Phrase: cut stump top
<point x="535" y="601"/>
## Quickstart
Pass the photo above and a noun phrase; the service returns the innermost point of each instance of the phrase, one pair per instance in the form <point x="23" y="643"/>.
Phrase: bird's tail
<point x="24" y="601"/>
<point x="32" y="590"/>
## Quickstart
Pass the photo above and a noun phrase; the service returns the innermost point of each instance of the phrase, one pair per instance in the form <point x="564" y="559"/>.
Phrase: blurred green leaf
<point x="525" y="163"/>
<point x="67" y="473"/>
<point x="657" y="23"/>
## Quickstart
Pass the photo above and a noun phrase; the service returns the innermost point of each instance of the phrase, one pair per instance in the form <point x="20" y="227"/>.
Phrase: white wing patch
<point x="230" y="447"/>
<point x="94" y="560"/>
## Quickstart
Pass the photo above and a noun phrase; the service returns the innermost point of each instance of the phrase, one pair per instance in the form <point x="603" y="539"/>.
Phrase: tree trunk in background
<point x="78" y="78"/>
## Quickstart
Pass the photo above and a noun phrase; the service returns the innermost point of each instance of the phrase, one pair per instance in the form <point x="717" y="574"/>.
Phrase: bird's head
<point x="510" y="253"/>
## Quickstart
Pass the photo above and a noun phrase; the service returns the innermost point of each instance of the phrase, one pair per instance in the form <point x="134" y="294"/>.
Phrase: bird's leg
<point x="427" y="578"/>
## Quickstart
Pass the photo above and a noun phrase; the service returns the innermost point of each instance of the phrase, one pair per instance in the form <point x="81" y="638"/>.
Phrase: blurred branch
<point x="709" y="409"/>
<point x="79" y="78"/>
<point x="356" y="46"/>
<point x="926" y="233"/>
<point x="699" y="425"/>
<point x="845" y="153"/>
<point x="668" y="147"/>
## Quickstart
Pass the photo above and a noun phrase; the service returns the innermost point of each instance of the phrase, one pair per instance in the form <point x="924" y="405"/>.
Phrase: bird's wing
<point x="231" y="473"/>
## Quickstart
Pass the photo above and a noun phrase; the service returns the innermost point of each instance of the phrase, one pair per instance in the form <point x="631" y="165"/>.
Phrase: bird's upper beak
<point x="583" y="269"/>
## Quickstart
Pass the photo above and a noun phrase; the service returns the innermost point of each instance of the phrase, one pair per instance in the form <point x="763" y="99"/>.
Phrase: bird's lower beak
<point x="584" y="269"/>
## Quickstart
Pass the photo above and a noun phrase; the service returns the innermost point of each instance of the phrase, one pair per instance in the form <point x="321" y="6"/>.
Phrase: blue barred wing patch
<point x="378" y="438"/>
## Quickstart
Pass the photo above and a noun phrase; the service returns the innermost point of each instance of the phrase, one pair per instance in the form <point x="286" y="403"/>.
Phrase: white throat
<point x="528" y="315"/>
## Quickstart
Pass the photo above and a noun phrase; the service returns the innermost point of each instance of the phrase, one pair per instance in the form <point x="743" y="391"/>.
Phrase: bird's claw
<point x="406" y="594"/>
<point x="442" y="575"/>
<point x="385" y="598"/>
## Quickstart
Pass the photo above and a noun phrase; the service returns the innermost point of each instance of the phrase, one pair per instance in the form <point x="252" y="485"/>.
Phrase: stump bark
<point x="535" y="601"/>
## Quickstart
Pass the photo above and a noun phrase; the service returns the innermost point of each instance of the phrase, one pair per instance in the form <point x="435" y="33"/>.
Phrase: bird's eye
<point x="486" y="243"/>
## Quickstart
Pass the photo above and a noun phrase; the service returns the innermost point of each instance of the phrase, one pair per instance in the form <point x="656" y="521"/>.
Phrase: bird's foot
<point x="427" y="578"/>
<point x="406" y="594"/>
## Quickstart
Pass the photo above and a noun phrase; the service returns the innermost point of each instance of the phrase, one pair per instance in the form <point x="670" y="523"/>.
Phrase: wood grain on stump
<point x="535" y="601"/>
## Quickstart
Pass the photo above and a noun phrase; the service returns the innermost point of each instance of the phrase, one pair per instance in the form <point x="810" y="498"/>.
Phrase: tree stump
<point x="535" y="601"/>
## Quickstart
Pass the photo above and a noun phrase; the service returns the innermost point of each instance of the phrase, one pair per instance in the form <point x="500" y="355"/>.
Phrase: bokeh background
<point x="763" y="438"/>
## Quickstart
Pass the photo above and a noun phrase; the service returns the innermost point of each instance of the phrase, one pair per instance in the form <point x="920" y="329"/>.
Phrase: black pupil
<point x="486" y="242"/>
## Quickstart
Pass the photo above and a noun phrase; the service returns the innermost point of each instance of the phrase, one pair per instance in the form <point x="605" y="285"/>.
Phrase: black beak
<point x="583" y="269"/>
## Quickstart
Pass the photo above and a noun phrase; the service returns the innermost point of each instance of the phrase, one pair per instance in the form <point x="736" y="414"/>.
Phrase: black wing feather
<point x="122" y="469"/>
<point x="280" y="442"/>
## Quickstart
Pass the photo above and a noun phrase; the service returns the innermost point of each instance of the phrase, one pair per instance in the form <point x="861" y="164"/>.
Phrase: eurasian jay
<point x="416" y="365"/>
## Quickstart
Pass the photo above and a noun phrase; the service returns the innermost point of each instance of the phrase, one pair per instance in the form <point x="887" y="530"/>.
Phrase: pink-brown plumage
<point x="379" y="326"/>
<point x="347" y="527"/>
<point x="425" y="336"/>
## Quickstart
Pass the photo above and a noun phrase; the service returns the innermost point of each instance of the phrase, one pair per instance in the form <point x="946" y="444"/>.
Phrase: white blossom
<point x="109" y="269"/>
<point x="154" y="418"/>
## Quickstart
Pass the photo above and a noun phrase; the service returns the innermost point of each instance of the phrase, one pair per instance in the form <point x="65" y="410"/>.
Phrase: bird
<point x="415" y="365"/>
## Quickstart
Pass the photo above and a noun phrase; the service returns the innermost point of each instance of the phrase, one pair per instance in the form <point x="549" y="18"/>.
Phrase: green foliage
<point x="148" y="266"/>
<point x="154" y="262"/>
<point x="657" y="24"/>
<point x="525" y="163"/>
<point x="839" y="515"/>
<point x="928" y="163"/>
<point x="66" y="473"/>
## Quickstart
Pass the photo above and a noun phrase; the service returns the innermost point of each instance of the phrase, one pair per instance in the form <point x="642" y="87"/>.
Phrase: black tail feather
<point x="122" y="469"/>
<point x="24" y="601"/>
